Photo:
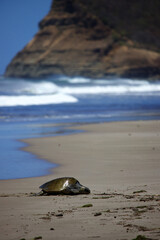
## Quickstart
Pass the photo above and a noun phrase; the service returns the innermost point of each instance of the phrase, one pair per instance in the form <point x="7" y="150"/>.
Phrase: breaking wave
<point x="19" y="92"/>
<point x="117" y="86"/>
<point x="35" y="100"/>
<point x="26" y="93"/>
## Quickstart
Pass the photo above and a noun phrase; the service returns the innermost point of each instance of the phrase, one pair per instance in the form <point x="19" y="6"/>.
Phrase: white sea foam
<point x="25" y="100"/>
<point x="27" y="87"/>
<point x="111" y="89"/>
<point x="101" y="86"/>
<point x="40" y="88"/>
<point x="75" y="80"/>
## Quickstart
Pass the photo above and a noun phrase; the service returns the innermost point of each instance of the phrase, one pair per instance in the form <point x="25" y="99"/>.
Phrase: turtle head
<point x="82" y="189"/>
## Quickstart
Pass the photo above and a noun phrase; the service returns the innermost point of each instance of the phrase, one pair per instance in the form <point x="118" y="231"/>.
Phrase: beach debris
<point x="141" y="237"/>
<point x="64" y="185"/>
<point x="87" y="205"/>
<point x="94" y="237"/>
<point x="97" y="214"/>
<point x="108" y="211"/>
<point x="139" y="228"/>
<point x="139" y="191"/>
<point x="46" y="218"/>
<point x="36" y="238"/>
<point x="59" y="215"/>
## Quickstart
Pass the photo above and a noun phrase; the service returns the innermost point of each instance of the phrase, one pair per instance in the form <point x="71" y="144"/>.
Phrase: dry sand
<point x="119" y="162"/>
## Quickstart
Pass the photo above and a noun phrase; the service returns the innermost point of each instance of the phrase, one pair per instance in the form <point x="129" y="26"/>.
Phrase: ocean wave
<point x="24" y="100"/>
<point x="75" y="80"/>
<point x="18" y="87"/>
<point x="73" y="86"/>
<point x="111" y="89"/>
<point x="85" y="86"/>
<point x="39" y="88"/>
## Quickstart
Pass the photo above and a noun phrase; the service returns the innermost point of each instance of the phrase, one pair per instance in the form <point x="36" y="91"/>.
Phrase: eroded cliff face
<point x="74" y="41"/>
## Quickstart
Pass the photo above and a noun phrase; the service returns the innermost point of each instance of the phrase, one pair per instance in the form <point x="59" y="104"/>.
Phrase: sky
<point x="18" y="24"/>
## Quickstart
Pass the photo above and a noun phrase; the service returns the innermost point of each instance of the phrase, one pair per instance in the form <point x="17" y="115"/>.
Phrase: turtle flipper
<point x="74" y="191"/>
<point x="41" y="193"/>
<point x="70" y="191"/>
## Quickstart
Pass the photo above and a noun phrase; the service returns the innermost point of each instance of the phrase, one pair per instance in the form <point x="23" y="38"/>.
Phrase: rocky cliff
<point x="94" y="38"/>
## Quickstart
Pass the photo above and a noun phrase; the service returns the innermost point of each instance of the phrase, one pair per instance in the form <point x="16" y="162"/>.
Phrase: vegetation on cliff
<point x="136" y="20"/>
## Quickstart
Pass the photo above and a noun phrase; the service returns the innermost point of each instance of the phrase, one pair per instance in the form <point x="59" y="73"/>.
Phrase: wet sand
<point x="119" y="162"/>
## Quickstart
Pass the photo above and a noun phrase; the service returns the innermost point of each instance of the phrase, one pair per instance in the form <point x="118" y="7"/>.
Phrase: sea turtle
<point x="64" y="185"/>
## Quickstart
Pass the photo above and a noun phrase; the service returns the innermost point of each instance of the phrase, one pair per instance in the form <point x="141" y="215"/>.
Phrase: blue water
<point x="30" y="108"/>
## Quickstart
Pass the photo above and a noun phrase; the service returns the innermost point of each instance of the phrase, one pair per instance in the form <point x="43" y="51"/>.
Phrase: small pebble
<point x="87" y="205"/>
<point x="59" y="215"/>
<point x="97" y="214"/>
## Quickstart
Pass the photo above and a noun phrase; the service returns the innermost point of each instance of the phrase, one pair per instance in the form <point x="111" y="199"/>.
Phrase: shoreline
<point x="118" y="161"/>
<point x="35" y="145"/>
<point x="68" y="129"/>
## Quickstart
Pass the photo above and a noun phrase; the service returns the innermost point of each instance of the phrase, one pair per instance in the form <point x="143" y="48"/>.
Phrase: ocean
<point x="46" y="107"/>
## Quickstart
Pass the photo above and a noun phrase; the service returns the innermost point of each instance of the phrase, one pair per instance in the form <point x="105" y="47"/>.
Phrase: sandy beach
<point x="119" y="162"/>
